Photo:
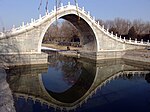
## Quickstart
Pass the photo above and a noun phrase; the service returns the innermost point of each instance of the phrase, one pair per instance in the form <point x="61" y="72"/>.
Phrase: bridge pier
<point x="23" y="59"/>
<point x="103" y="54"/>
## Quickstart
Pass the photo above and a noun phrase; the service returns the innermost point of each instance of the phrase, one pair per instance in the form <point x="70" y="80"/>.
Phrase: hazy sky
<point x="16" y="11"/>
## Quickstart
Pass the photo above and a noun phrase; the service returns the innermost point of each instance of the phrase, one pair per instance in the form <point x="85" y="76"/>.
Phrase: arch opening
<point x="87" y="36"/>
<point x="80" y="35"/>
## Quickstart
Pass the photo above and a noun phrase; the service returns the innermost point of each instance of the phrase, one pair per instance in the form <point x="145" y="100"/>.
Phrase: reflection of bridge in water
<point x="29" y="85"/>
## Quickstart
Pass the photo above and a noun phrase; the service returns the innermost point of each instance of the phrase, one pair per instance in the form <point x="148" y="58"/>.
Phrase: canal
<point x="80" y="85"/>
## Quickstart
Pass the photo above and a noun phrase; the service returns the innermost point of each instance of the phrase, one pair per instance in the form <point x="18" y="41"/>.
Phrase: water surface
<point x="70" y="84"/>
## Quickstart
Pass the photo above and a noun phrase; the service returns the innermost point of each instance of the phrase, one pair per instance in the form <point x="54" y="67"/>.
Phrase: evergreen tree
<point x="114" y="30"/>
<point x="132" y="33"/>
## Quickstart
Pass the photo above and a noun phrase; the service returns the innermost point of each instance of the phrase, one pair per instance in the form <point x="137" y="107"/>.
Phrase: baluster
<point x="116" y="35"/>
<point x="22" y="24"/>
<point x="120" y="37"/>
<point x="124" y="39"/>
<point x="62" y="5"/>
<point x="68" y="3"/>
<point x="31" y="20"/>
<point x="112" y="33"/>
<point x="135" y="40"/>
<point x="98" y="22"/>
<point x="13" y="27"/>
<point x="102" y="26"/>
<point x="47" y="11"/>
<point x="142" y="41"/>
<point x="93" y="18"/>
<point x="83" y="9"/>
<point x="54" y="8"/>
<point x="77" y="5"/>
<point x="107" y="30"/>
<point x="88" y="13"/>
<point x="130" y="40"/>
<point x="40" y="16"/>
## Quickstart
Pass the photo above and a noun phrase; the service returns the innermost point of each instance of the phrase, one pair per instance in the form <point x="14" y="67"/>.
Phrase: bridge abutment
<point x="23" y="59"/>
<point x="103" y="54"/>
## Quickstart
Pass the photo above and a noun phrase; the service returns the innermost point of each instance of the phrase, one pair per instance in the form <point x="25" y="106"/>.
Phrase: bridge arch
<point x="88" y="37"/>
<point x="100" y="43"/>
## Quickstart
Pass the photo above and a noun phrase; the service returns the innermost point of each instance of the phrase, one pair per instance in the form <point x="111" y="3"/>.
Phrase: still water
<point x="79" y="85"/>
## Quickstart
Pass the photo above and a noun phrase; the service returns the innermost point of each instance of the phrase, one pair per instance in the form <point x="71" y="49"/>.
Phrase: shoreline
<point x="133" y="55"/>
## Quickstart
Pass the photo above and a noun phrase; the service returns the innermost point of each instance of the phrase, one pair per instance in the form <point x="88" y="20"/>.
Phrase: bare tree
<point x="63" y="31"/>
<point x="122" y="25"/>
<point x="139" y="26"/>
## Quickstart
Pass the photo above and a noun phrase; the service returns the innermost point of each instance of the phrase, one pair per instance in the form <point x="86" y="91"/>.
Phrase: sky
<point x="14" y="12"/>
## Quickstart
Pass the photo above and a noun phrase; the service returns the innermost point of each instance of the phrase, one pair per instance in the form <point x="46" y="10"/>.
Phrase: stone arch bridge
<point x="97" y="42"/>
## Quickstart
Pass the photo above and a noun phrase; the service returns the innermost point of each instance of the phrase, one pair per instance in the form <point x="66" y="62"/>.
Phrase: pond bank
<point x="134" y="55"/>
<point x="138" y="55"/>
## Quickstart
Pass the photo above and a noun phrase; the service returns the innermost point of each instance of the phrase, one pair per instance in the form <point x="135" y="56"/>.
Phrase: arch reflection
<point x="74" y="73"/>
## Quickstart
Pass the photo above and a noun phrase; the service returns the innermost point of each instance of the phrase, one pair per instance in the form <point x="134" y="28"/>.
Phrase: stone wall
<point x="138" y="55"/>
<point x="23" y="59"/>
<point x="6" y="98"/>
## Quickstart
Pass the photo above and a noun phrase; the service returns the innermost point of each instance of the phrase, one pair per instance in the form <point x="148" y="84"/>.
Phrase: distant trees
<point x="114" y="30"/>
<point x="120" y="25"/>
<point x="141" y="27"/>
<point x="63" y="31"/>
<point x="130" y="29"/>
